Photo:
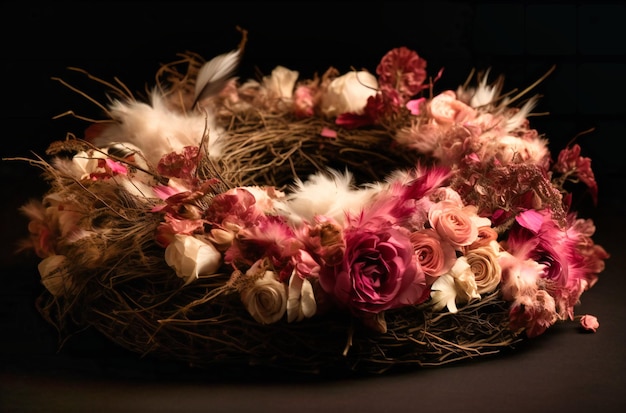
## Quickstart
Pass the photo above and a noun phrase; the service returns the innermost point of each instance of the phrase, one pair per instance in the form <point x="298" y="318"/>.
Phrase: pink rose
<point x="434" y="256"/>
<point x="378" y="272"/>
<point x="453" y="223"/>
<point x="589" y="323"/>
<point x="445" y="108"/>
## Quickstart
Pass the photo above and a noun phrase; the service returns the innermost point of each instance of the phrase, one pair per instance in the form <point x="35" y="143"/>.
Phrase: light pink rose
<point x="445" y="108"/>
<point x="589" y="323"/>
<point x="453" y="223"/>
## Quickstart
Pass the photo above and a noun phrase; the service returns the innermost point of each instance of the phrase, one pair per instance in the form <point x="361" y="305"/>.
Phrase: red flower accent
<point x="403" y="70"/>
<point x="180" y="165"/>
<point x="570" y="162"/>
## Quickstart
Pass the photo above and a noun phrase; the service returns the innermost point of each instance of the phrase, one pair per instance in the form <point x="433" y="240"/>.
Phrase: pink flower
<point x="567" y="272"/>
<point x="534" y="314"/>
<point x="304" y="101"/>
<point x="571" y="163"/>
<point x="237" y="205"/>
<point x="415" y="106"/>
<point x="271" y="239"/>
<point x="180" y="165"/>
<point x="403" y="70"/>
<point x="445" y="109"/>
<point x="453" y="223"/>
<point x="434" y="256"/>
<point x="379" y="271"/>
<point x="589" y="323"/>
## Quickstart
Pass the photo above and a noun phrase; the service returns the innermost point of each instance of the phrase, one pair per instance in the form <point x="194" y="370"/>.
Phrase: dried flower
<point x="589" y="323"/>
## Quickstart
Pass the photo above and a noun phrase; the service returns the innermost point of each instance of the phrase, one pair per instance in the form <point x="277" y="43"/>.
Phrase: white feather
<point x="157" y="130"/>
<point x="520" y="116"/>
<point x="330" y="194"/>
<point x="484" y="94"/>
<point x="214" y="74"/>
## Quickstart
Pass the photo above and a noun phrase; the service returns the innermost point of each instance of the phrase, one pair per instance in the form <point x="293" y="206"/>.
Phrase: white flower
<point x="281" y="83"/>
<point x="87" y="162"/>
<point x="266" y="297"/>
<point x="349" y="93"/>
<point x="301" y="302"/>
<point x="192" y="257"/>
<point x="55" y="275"/>
<point x="457" y="285"/>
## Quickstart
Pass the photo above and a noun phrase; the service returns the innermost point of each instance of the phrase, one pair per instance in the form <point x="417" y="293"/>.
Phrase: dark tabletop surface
<point x="563" y="370"/>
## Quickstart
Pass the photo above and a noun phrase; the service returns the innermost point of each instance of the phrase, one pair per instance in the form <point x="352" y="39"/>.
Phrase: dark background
<point x="563" y="370"/>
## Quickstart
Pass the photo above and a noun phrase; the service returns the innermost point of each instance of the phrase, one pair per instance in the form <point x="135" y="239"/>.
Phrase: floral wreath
<point x="357" y="219"/>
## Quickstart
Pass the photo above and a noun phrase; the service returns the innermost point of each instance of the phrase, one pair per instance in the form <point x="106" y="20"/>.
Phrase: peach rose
<point x="434" y="256"/>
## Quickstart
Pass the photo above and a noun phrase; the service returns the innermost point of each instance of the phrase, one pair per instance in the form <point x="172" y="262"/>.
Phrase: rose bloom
<point x="589" y="323"/>
<point x="434" y="255"/>
<point x="265" y="297"/>
<point x="457" y="225"/>
<point x="446" y="109"/>
<point x="484" y="264"/>
<point x="281" y="83"/>
<point x="192" y="257"/>
<point x="348" y="93"/>
<point x="378" y="272"/>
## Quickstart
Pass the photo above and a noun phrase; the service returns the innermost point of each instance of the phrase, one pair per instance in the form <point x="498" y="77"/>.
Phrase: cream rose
<point x="192" y="257"/>
<point x="281" y="83"/>
<point x="484" y="264"/>
<point x="349" y="93"/>
<point x="265" y="297"/>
